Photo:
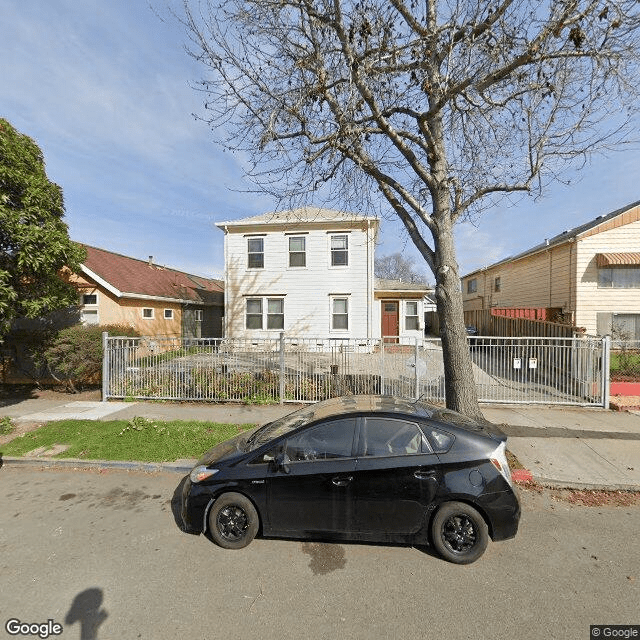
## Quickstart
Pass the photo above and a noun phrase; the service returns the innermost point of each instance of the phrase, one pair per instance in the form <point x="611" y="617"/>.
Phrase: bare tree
<point x="438" y="106"/>
<point x="396" y="266"/>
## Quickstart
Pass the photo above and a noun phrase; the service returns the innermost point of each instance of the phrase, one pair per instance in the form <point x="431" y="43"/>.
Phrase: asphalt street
<point x="100" y="553"/>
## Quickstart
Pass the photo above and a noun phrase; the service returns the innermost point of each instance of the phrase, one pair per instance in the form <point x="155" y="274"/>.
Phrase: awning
<point x="609" y="259"/>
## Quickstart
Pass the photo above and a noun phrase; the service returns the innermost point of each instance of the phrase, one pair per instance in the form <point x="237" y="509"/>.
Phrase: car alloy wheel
<point x="233" y="521"/>
<point x="459" y="533"/>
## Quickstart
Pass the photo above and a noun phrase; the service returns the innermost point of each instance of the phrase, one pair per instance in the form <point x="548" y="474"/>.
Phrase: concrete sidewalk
<point x="587" y="448"/>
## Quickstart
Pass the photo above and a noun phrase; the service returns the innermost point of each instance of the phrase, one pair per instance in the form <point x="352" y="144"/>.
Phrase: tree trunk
<point x="460" y="388"/>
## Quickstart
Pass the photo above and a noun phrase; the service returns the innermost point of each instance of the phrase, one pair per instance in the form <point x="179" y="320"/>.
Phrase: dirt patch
<point x="26" y="391"/>
<point x="20" y="429"/>
<point x="514" y="463"/>
<point x="589" y="498"/>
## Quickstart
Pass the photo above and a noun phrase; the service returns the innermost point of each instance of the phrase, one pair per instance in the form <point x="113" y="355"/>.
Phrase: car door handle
<point x="342" y="481"/>
<point x="424" y="475"/>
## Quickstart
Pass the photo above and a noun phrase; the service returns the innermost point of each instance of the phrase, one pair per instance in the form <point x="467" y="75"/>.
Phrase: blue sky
<point x="104" y="89"/>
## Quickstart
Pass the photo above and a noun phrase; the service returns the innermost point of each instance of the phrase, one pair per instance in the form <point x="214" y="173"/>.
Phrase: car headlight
<point x="201" y="472"/>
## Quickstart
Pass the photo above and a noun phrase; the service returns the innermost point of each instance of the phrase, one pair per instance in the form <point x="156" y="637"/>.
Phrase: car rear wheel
<point x="233" y="521"/>
<point x="459" y="533"/>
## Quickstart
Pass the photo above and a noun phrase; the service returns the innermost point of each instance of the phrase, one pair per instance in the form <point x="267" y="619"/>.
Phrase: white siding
<point x="307" y="290"/>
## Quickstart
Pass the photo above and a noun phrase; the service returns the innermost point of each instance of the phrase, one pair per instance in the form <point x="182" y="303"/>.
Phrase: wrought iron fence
<point x="289" y="369"/>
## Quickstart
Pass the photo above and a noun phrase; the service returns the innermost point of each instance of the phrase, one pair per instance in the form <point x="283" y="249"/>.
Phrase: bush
<point x="75" y="355"/>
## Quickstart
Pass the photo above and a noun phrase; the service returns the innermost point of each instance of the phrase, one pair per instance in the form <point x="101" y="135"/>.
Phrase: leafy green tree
<point x="34" y="240"/>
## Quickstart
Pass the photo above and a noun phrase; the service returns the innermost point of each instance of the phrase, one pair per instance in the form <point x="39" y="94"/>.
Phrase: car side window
<point x="389" y="437"/>
<point x="327" y="441"/>
<point x="441" y="441"/>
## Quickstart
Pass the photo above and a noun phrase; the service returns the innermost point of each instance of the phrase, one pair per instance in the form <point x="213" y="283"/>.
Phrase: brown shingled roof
<point x="131" y="277"/>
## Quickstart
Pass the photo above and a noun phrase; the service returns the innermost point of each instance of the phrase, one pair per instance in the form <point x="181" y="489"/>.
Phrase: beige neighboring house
<point x="589" y="276"/>
<point x="309" y="272"/>
<point x="155" y="300"/>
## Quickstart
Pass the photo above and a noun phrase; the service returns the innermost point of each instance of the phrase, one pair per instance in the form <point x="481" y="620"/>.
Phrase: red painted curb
<point x="521" y="475"/>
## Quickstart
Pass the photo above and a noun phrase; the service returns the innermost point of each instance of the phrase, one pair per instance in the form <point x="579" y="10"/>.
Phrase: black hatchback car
<point x="363" y="468"/>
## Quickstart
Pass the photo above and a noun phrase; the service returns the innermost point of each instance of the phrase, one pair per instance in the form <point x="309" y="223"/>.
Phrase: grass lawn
<point x="139" y="439"/>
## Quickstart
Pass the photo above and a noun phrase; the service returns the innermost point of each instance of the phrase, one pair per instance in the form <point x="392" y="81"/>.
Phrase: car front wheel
<point x="233" y="521"/>
<point x="459" y="533"/>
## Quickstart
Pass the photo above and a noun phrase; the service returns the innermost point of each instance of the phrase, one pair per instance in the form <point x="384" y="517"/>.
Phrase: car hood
<point x="226" y="450"/>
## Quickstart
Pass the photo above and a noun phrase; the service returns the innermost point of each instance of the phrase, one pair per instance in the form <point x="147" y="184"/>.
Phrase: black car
<point x="364" y="468"/>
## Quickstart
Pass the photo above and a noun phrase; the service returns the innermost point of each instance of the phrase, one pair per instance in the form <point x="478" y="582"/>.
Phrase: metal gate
<point x="287" y="369"/>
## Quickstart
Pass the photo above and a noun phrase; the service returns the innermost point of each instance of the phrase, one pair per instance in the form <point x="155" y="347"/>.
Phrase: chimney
<point x="151" y="261"/>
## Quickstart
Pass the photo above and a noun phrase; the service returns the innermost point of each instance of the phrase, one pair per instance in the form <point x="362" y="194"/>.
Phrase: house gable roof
<point x="303" y="215"/>
<point x="132" y="278"/>
<point x="625" y="215"/>
<point x="383" y="284"/>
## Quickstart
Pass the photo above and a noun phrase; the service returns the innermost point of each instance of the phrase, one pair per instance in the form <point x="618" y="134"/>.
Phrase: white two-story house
<point x="309" y="273"/>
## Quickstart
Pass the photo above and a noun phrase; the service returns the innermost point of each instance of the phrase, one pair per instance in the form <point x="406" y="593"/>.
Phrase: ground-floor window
<point x="340" y="314"/>
<point x="255" y="311"/>
<point x="411" y="315"/>
<point x="620" y="326"/>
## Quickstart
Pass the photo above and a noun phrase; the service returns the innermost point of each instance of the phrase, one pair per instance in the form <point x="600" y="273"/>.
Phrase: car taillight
<point x="499" y="461"/>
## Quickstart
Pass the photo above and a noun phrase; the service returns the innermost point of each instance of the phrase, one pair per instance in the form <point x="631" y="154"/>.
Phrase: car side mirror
<point x="282" y="461"/>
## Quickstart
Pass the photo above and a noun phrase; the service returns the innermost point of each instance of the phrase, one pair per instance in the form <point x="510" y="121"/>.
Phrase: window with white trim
<point x="168" y="314"/>
<point x="254" y="313"/>
<point x="275" y="313"/>
<point x="411" y="315"/>
<point x="199" y="315"/>
<point x="339" y="250"/>
<point x="255" y="253"/>
<point x="147" y="313"/>
<point x="257" y="308"/>
<point x="339" y="314"/>
<point x="90" y="299"/>
<point x="297" y="251"/>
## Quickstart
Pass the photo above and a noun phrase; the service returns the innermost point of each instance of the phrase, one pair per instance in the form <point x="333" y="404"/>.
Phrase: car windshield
<point x="279" y="427"/>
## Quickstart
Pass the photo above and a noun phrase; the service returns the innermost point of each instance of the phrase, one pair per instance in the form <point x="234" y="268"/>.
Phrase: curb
<point x="586" y="486"/>
<point x="181" y="466"/>
<point x="524" y="478"/>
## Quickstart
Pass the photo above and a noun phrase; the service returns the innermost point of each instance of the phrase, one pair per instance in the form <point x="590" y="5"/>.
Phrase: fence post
<point x="415" y="361"/>
<point x="382" y="366"/>
<point x="606" y="369"/>
<point x="105" y="365"/>
<point x="282" y="367"/>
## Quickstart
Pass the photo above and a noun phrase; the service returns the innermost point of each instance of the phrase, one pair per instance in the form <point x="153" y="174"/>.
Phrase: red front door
<point x="390" y="321"/>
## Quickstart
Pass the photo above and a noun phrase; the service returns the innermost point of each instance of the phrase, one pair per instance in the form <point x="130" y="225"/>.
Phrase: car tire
<point x="459" y="533"/>
<point x="233" y="521"/>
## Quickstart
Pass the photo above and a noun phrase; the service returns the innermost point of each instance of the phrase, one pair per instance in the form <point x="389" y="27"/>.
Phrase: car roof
<point x="389" y="405"/>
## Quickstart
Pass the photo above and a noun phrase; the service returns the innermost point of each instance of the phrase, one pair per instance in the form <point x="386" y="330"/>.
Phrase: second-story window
<point x="339" y="250"/>
<point x="255" y="252"/>
<point x="297" y="252"/>
<point x="496" y="284"/>
<point x="472" y="285"/>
